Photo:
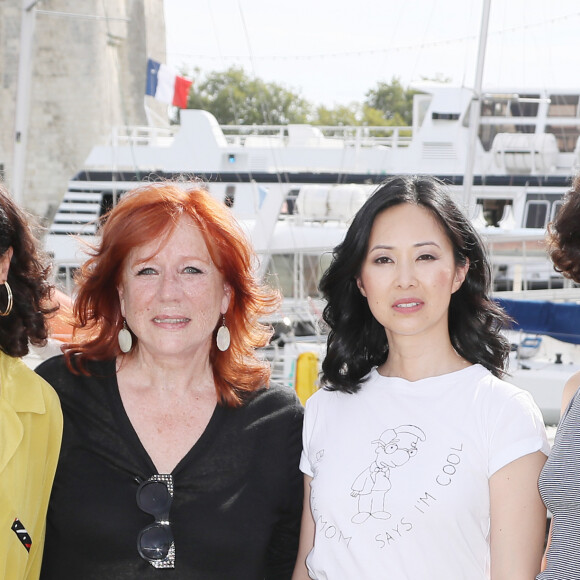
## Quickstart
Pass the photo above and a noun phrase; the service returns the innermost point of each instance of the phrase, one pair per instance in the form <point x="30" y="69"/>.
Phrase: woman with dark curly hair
<point x="560" y="478"/>
<point x="179" y="459"/>
<point x="30" y="415"/>
<point x="419" y="460"/>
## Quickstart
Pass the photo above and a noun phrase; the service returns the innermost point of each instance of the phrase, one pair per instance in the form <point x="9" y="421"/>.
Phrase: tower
<point x="87" y="70"/>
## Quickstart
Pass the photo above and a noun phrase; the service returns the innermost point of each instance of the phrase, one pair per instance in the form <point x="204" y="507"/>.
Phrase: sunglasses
<point x="155" y="541"/>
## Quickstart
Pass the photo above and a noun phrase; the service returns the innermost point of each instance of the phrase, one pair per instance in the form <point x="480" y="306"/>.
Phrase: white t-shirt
<point x="401" y="473"/>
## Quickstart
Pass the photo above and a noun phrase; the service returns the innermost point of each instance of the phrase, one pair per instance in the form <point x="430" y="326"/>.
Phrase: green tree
<point x="393" y="100"/>
<point x="236" y="99"/>
<point x="340" y="115"/>
<point x="373" y="117"/>
<point x="355" y="114"/>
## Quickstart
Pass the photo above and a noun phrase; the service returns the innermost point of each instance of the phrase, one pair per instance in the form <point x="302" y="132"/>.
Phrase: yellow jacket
<point x="30" y="435"/>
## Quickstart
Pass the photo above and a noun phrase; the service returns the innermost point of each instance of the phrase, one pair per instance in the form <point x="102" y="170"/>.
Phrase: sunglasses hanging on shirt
<point x="155" y="541"/>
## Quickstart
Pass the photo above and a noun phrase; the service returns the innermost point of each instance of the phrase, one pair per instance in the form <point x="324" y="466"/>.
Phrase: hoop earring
<point x="223" y="336"/>
<point x="125" y="339"/>
<point x="10" y="300"/>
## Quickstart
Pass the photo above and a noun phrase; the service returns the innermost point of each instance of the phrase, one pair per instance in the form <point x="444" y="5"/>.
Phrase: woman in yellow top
<point x="30" y="415"/>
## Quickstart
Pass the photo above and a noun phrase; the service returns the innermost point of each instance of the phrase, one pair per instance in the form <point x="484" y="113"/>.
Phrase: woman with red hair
<point x="176" y="453"/>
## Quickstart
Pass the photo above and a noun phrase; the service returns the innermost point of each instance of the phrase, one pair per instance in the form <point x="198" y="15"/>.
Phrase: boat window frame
<point x="556" y="205"/>
<point x="536" y="202"/>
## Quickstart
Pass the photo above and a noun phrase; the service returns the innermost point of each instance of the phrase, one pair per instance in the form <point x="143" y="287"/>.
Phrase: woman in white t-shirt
<point x="419" y="461"/>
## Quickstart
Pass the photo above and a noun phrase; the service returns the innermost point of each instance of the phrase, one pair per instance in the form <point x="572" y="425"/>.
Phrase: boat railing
<point x="142" y="136"/>
<point x="358" y="136"/>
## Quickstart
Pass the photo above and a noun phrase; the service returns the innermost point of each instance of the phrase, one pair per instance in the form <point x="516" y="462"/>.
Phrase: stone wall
<point x="88" y="70"/>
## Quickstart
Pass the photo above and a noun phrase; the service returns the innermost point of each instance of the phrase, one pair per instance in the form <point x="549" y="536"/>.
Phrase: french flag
<point x="165" y="85"/>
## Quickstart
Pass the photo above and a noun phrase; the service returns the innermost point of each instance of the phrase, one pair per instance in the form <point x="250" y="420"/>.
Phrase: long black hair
<point x="356" y="341"/>
<point x="27" y="278"/>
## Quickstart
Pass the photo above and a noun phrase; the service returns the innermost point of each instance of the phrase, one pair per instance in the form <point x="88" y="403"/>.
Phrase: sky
<point x="332" y="52"/>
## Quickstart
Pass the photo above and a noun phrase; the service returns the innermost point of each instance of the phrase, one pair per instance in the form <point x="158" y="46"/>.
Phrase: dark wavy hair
<point x="356" y="341"/>
<point x="151" y="211"/>
<point x="563" y="236"/>
<point x="28" y="279"/>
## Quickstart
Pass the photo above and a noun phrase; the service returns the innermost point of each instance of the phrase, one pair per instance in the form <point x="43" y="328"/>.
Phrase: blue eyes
<point x="148" y="271"/>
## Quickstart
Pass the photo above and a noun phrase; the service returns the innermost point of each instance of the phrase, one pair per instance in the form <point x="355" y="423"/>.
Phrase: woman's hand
<point x="307" y="530"/>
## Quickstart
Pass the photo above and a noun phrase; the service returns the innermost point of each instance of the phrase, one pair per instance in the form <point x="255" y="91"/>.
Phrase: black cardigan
<point x="237" y="493"/>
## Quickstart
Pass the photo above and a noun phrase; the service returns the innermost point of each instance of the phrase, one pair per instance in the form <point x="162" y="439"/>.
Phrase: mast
<point x="22" y="112"/>
<point x="474" y="110"/>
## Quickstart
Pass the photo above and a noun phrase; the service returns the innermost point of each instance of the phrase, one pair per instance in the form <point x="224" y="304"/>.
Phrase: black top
<point x="237" y="493"/>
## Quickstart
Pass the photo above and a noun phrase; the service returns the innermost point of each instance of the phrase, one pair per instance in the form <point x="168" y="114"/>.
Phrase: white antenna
<point x="474" y="111"/>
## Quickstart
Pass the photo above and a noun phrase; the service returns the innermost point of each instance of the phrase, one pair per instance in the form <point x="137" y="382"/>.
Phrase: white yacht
<point x="296" y="187"/>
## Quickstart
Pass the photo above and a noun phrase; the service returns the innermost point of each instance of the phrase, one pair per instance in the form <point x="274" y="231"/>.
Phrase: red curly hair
<point x="151" y="211"/>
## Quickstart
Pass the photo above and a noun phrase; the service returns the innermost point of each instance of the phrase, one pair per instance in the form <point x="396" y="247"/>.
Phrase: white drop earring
<point x="223" y="336"/>
<point x="125" y="338"/>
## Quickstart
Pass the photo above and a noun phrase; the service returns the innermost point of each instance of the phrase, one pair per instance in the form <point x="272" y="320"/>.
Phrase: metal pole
<point x="25" y="62"/>
<point x="474" y="111"/>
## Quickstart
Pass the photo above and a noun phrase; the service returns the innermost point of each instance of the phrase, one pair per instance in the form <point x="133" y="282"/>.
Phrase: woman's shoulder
<point x="499" y="395"/>
<point x="21" y="383"/>
<point x="55" y="371"/>
<point x="51" y="364"/>
<point x="275" y="398"/>
<point x="482" y="376"/>
<point x="58" y="373"/>
<point x="570" y="389"/>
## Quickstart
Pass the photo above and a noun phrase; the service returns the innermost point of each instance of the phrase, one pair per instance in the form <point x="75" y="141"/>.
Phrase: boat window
<point x="106" y="203"/>
<point x="510" y="106"/>
<point x="286" y="329"/>
<point x="289" y="207"/>
<point x="445" y="116"/>
<point x="487" y="132"/>
<point x="556" y="208"/>
<point x="521" y="107"/>
<point x="486" y="135"/>
<point x="536" y="214"/>
<point x="493" y="210"/>
<point x="108" y="200"/>
<point x="491" y="108"/>
<point x="230" y="195"/>
<point x="566" y="136"/>
<point x="563" y="106"/>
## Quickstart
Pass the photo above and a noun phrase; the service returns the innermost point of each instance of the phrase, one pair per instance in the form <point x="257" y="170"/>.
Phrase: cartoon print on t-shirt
<point x="394" y="448"/>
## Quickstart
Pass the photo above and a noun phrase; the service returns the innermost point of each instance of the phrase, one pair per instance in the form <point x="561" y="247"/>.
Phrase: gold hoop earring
<point x="10" y="302"/>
